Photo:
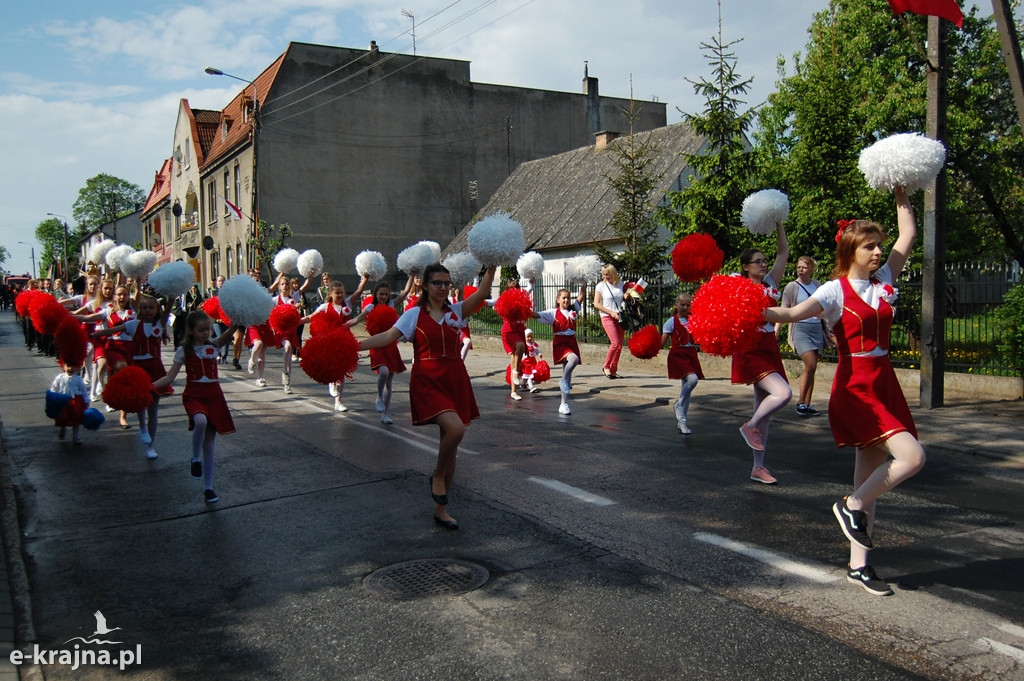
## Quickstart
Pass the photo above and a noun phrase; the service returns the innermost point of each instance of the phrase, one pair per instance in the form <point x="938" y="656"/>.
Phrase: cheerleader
<point x="303" y="303"/>
<point x="118" y="345"/>
<point x="413" y="291"/>
<point x="867" y="409"/>
<point x="513" y="340"/>
<point x="439" y="388"/>
<point x="259" y="337"/>
<point x="89" y="290"/>
<point x="147" y="332"/>
<point x="338" y="310"/>
<point x="79" y="304"/>
<point x="564" y="348"/>
<point x="103" y="298"/>
<point x="531" y="356"/>
<point x="204" y="401"/>
<point x="68" y="382"/>
<point x="239" y="340"/>
<point x="387" y="361"/>
<point x="116" y="350"/>
<point x="465" y="337"/>
<point x="683" y="363"/>
<point x="761" y="366"/>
